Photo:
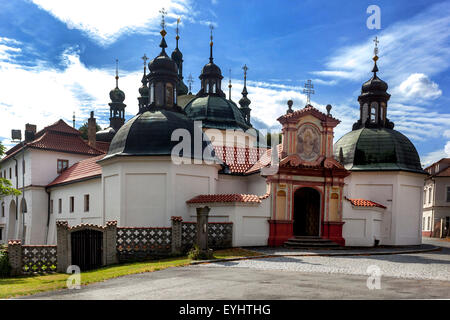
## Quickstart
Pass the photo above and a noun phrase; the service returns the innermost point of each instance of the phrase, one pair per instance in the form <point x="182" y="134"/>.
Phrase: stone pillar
<point x="111" y="243"/>
<point x="62" y="249"/>
<point x="15" y="257"/>
<point x="202" y="228"/>
<point x="176" y="234"/>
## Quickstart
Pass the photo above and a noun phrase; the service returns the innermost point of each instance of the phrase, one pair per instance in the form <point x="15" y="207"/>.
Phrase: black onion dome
<point x="377" y="149"/>
<point x="144" y="91"/>
<point x="149" y="134"/>
<point x="117" y="95"/>
<point x="211" y="69"/>
<point x="163" y="65"/>
<point x="176" y="55"/>
<point x="105" y="135"/>
<point x="374" y="85"/>
<point x="216" y="112"/>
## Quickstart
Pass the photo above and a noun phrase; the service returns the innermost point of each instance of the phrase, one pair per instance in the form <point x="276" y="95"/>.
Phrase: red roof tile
<point x="57" y="137"/>
<point x="364" y="203"/>
<point x="81" y="170"/>
<point x="207" y="198"/>
<point x="264" y="160"/>
<point x="239" y="159"/>
<point x="444" y="173"/>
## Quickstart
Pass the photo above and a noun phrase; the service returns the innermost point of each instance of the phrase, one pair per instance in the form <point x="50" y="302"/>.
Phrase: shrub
<point x="196" y="254"/>
<point x="5" y="268"/>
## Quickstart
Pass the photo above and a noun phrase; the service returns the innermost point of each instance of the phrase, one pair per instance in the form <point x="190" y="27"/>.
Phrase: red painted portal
<point x="333" y="231"/>
<point x="280" y="232"/>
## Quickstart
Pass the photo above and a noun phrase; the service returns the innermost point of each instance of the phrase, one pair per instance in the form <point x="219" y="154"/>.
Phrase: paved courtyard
<point x="404" y="276"/>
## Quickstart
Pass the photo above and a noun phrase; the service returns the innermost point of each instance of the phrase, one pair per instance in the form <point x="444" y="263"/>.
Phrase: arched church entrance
<point x="12" y="220"/>
<point x="306" y="212"/>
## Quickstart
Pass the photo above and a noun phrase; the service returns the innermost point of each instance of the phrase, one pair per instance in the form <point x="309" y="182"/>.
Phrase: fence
<point x="118" y="244"/>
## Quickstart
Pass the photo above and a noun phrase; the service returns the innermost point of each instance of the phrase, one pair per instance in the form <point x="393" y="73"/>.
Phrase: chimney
<point x="30" y="132"/>
<point x="92" y="130"/>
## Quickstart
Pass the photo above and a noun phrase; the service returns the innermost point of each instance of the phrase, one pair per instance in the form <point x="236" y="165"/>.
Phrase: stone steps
<point x="313" y="242"/>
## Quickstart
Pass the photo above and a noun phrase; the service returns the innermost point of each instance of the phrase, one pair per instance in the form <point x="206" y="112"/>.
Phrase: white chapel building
<point x="182" y="151"/>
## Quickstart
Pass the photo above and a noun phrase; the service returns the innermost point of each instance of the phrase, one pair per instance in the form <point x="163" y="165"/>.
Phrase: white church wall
<point x="228" y="184"/>
<point x="250" y="221"/>
<point x="77" y="190"/>
<point x="401" y="193"/>
<point x="37" y="216"/>
<point x="361" y="225"/>
<point x="148" y="191"/>
<point x="257" y="184"/>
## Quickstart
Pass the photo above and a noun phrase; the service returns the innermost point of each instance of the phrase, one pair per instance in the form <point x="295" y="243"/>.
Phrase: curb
<point x="265" y="256"/>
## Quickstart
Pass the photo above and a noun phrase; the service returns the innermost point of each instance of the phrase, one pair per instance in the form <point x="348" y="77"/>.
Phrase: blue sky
<point x="58" y="57"/>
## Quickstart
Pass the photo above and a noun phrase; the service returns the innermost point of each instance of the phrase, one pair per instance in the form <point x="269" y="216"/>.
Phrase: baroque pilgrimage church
<point x="364" y="190"/>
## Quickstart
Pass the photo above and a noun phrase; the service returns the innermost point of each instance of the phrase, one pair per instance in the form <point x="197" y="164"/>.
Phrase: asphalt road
<point x="404" y="276"/>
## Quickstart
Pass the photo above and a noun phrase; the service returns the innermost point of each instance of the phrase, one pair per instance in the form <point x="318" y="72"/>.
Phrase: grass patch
<point x="234" y="253"/>
<point x="26" y="285"/>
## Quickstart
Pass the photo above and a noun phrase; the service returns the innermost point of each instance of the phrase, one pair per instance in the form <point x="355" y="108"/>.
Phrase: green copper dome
<point x="377" y="149"/>
<point x="216" y="112"/>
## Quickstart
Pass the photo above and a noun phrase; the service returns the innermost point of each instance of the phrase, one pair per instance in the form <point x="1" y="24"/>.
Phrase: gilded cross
<point x="375" y="50"/>
<point x="309" y="91"/>
<point x="245" y="68"/>
<point x="211" y="27"/>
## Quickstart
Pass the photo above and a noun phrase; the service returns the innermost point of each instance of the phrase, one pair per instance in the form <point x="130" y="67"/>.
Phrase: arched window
<point x="365" y="112"/>
<point x="373" y="112"/>
<point x="281" y="205"/>
<point x="159" y="94"/>
<point x="23" y="205"/>
<point x="383" y="111"/>
<point x="214" y="87"/>
<point x="152" y="93"/>
<point x="3" y="209"/>
<point x="169" y="94"/>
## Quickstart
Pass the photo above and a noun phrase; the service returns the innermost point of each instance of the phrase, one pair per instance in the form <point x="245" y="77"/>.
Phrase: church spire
<point x="211" y="27"/>
<point x="177" y="56"/>
<point x="144" y="90"/>
<point x="373" y="100"/>
<point x="229" y="86"/>
<point x="116" y="106"/>
<point x="245" y="102"/>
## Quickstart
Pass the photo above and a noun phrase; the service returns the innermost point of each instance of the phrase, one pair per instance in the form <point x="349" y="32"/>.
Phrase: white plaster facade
<point x="400" y="223"/>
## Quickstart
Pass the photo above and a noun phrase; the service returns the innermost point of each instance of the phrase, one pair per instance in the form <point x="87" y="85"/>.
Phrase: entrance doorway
<point x="306" y="212"/>
<point x="87" y="246"/>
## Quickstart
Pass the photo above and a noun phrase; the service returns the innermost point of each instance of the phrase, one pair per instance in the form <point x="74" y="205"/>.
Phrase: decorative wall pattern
<point x="220" y="235"/>
<point x="142" y="243"/>
<point x="38" y="259"/>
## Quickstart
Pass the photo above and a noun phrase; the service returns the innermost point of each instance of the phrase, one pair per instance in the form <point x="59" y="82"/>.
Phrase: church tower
<point x="244" y="102"/>
<point x="373" y="100"/>
<point x="211" y="77"/>
<point x="116" y="112"/>
<point x="177" y="56"/>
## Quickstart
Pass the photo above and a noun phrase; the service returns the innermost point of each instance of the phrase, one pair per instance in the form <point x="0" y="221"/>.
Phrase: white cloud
<point x="106" y="20"/>
<point x="420" y="44"/>
<point x="446" y="133"/>
<point x="437" y="155"/>
<point x="41" y="95"/>
<point x="417" y="87"/>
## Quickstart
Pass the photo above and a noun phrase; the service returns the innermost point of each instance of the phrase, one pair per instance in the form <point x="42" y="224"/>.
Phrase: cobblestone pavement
<point x="433" y="265"/>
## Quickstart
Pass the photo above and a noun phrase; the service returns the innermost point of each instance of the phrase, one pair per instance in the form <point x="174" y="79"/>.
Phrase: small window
<point x="51" y="206"/>
<point x="429" y="223"/>
<point x="59" y="205"/>
<point x="423" y="223"/>
<point x="62" y="165"/>
<point x="1" y="234"/>
<point x="15" y="170"/>
<point x="373" y="112"/>
<point x="23" y="166"/>
<point x="72" y="204"/>
<point x="10" y="173"/>
<point x="169" y="95"/>
<point x="448" y="194"/>
<point x="429" y="195"/>
<point x="86" y="203"/>
<point x="159" y="94"/>
<point x="3" y="209"/>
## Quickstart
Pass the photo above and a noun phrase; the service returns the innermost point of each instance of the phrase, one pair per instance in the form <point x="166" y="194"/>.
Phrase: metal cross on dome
<point x="245" y="68"/>
<point x="375" y="50"/>
<point x="163" y="14"/>
<point x="190" y="81"/>
<point x="309" y="91"/>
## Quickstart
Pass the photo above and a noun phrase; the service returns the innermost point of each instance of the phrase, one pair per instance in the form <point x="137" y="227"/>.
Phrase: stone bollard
<point x="176" y="235"/>
<point x="202" y="228"/>
<point x="111" y="242"/>
<point x="15" y="257"/>
<point x="62" y="249"/>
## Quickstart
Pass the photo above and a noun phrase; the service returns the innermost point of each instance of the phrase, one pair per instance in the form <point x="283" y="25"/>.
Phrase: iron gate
<point x="87" y="248"/>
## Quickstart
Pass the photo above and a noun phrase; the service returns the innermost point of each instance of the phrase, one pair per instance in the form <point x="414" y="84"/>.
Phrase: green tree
<point x="6" y="188"/>
<point x="84" y="130"/>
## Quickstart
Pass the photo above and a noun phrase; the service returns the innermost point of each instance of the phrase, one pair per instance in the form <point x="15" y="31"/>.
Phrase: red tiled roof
<point x="207" y="198"/>
<point x="444" y="173"/>
<point x="81" y="170"/>
<point x="307" y="109"/>
<point x="57" y="137"/>
<point x="238" y="159"/>
<point x="264" y="160"/>
<point x="364" y="203"/>
<point x="103" y="146"/>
